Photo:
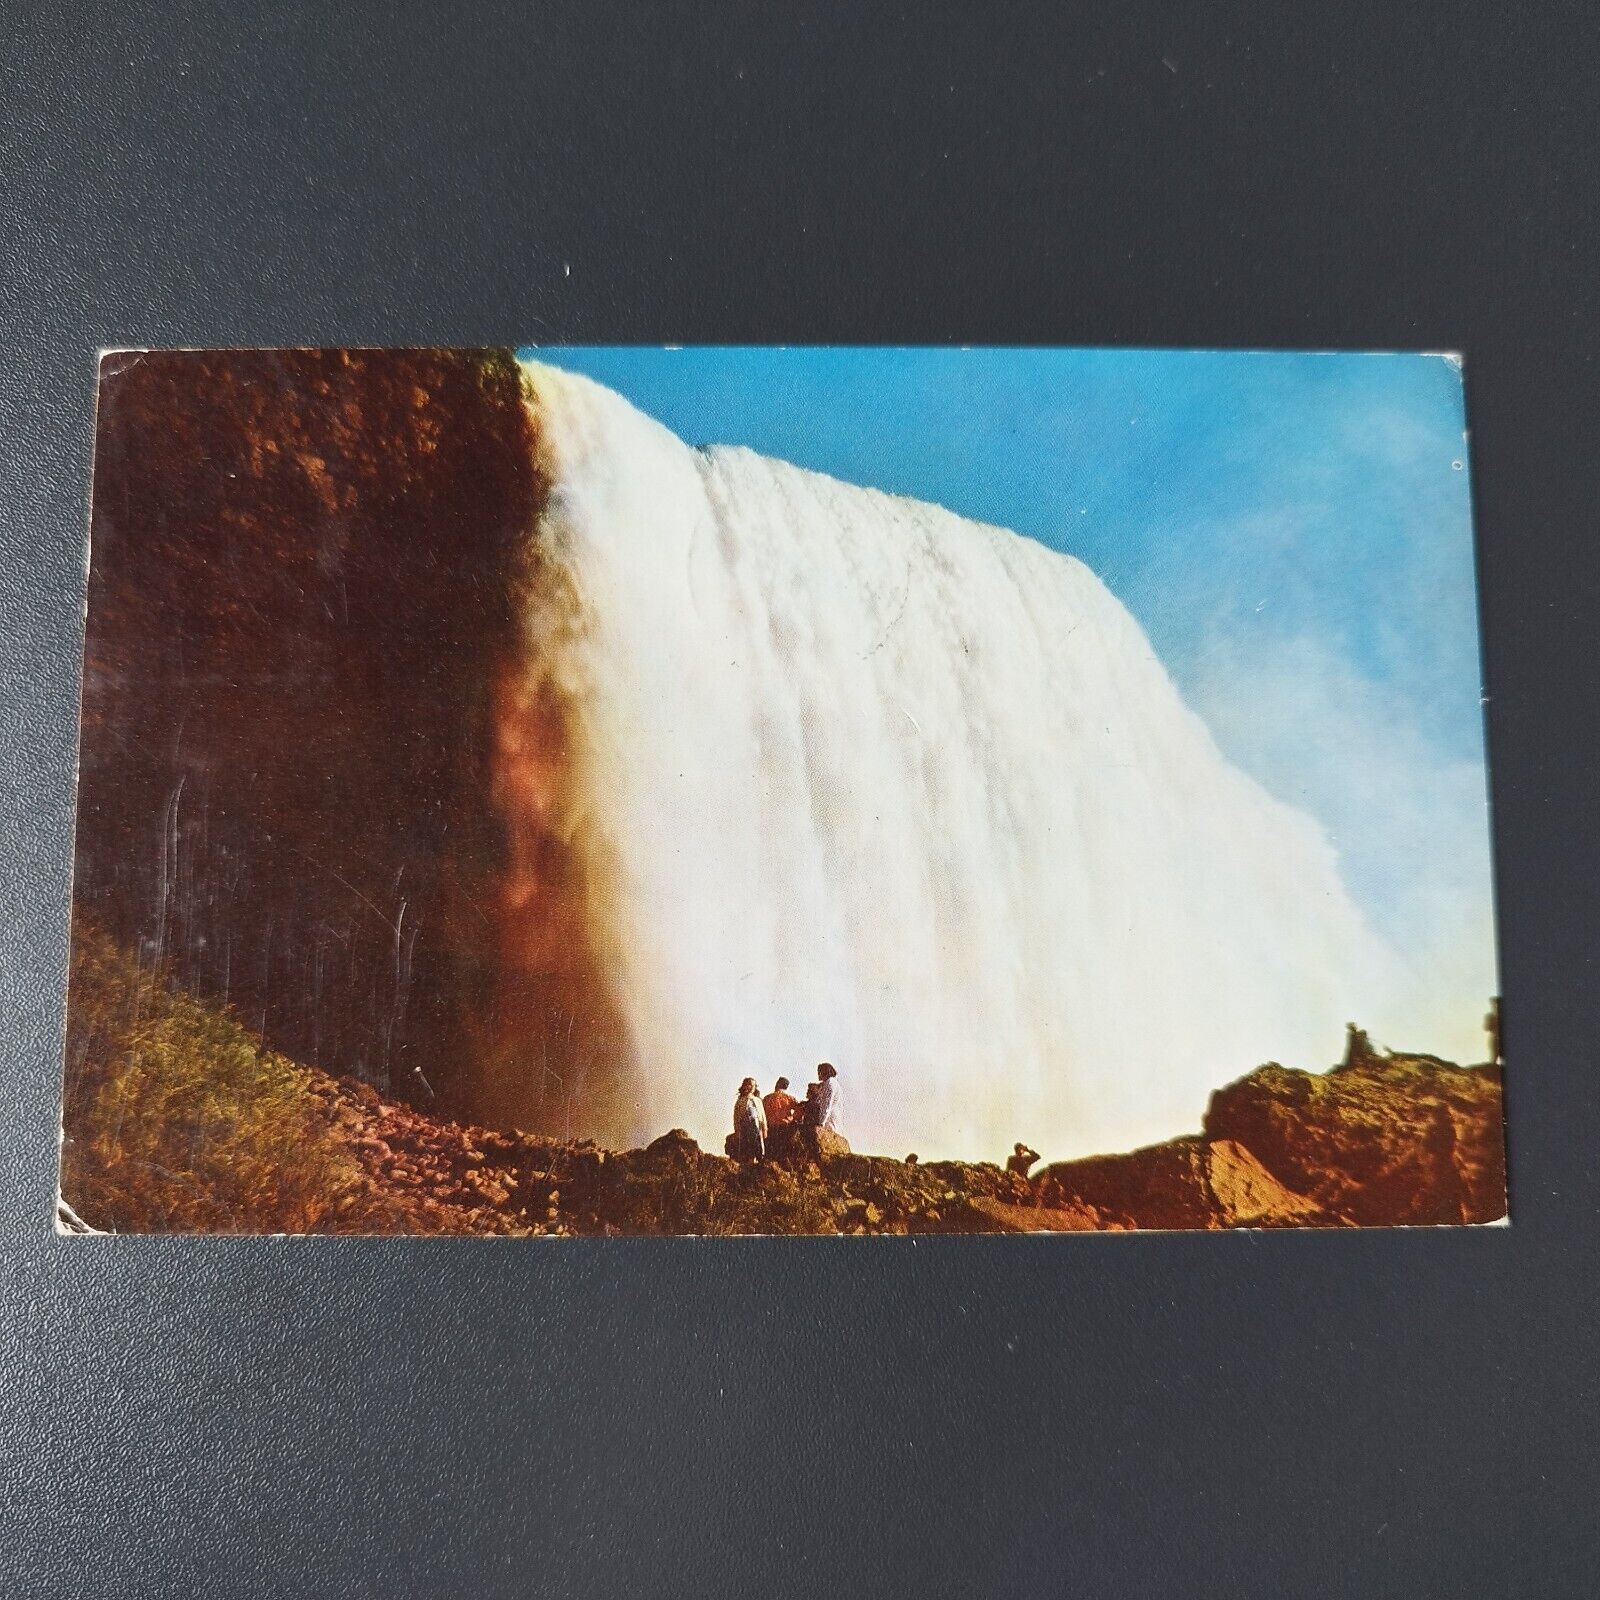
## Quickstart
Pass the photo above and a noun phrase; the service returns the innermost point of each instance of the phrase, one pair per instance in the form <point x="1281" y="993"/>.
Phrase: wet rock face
<point x="303" y="572"/>
<point x="1381" y="1140"/>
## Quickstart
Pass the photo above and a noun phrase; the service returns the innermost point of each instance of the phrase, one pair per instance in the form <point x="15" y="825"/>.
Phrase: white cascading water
<point x="856" y="779"/>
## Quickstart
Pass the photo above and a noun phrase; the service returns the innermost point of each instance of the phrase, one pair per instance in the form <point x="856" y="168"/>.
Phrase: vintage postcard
<point x="780" y="791"/>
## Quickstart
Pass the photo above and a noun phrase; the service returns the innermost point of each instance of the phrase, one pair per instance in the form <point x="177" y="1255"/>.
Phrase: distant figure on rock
<point x="1358" y="1047"/>
<point x="748" y="1141"/>
<point x="822" y="1098"/>
<point x="1021" y="1159"/>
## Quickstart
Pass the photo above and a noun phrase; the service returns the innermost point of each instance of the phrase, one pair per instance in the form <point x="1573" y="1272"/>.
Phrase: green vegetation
<point x="178" y="1120"/>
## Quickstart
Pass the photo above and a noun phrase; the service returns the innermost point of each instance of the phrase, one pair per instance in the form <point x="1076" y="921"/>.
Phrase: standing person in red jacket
<point x="783" y="1113"/>
<point x="782" y="1106"/>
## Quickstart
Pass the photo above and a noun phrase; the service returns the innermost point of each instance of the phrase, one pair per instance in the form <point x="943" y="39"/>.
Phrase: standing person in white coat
<point x="749" y="1141"/>
<point x="825" y="1101"/>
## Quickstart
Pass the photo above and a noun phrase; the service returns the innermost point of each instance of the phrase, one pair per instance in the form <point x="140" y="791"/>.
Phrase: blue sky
<point x="1292" y="530"/>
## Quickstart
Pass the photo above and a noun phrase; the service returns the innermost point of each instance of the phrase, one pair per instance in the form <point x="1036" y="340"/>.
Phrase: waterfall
<point x="796" y="771"/>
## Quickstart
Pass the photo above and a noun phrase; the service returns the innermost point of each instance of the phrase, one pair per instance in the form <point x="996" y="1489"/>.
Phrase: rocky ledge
<point x="1382" y="1139"/>
<point x="177" y="1118"/>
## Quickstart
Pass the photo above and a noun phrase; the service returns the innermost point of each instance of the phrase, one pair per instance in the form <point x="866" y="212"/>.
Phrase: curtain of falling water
<point x="798" y="771"/>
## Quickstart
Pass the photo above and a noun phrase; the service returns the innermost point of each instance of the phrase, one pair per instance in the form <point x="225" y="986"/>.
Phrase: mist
<point x="846" y="776"/>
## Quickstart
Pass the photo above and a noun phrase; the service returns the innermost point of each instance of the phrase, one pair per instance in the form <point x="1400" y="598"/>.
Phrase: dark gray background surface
<point x="1353" y="1415"/>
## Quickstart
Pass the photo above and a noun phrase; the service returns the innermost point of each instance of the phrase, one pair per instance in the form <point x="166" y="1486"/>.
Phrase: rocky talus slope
<point x="1379" y="1140"/>
<point x="178" y="1119"/>
<point x="1382" y="1140"/>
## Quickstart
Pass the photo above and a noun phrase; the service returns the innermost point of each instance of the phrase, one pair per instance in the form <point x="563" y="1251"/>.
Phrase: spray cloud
<point x="794" y="771"/>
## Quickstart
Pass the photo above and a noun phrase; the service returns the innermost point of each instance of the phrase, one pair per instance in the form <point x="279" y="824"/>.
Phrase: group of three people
<point x="760" y="1124"/>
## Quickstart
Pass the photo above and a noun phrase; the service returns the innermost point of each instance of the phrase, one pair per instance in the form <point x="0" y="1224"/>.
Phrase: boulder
<point x="675" y="1146"/>
<point x="1160" y="1186"/>
<point x="675" y="1139"/>
<point x="1246" y="1195"/>
<point x="1381" y="1140"/>
<point x="821" y="1145"/>
<point x="1185" y="1183"/>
